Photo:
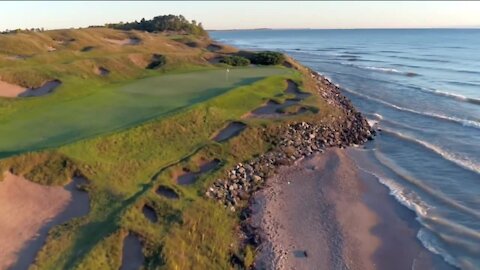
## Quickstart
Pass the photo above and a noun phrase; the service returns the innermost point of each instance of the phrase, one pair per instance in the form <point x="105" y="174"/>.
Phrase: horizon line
<point x="347" y="28"/>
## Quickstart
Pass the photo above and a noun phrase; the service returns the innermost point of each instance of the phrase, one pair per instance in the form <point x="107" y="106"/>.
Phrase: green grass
<point x="44" y="124"/>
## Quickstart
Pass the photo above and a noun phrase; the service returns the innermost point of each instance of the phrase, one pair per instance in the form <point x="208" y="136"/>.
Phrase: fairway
<point x="53" y="124"/>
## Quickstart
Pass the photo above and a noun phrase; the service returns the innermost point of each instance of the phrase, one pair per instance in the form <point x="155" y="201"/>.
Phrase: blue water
<point x="422" y="88"/>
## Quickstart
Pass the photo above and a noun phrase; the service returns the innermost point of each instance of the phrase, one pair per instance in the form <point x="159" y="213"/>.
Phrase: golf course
<point x="116" y="107"/>
<point x="112" y="136"/>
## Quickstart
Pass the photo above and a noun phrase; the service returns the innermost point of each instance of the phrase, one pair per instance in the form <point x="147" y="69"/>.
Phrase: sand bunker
<point x="232" y="130"/>
<point x="292" y="88"/>
<point x="51" y="49"/>
<point x="149" y="213"/>
<point x="28" y="212"/>
<point x="167" y="192"/>
<point x="189" y="178"/>
<point x="123" y="42"/>
<point x="87" y="48"/>
<point x="17" y="57"/>
<point x="273" y="109"/>
<point x="46" y="88"/>
<point x="64" y="41"/>
<point x="193" y="44"/>
<point x="132" y="258"/>
<point x="10" y="90"/>
<point x="102" y="71"/>
<point x="214" y="47"/>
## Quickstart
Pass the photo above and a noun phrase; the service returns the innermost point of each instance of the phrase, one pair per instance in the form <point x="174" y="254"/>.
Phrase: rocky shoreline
<point x="294" y="141"/>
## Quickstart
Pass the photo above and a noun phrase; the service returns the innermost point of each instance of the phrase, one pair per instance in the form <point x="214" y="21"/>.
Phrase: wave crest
<point x="464" y="122"/>
<point x="453" y="96"/>
<point x="462" y="162"/>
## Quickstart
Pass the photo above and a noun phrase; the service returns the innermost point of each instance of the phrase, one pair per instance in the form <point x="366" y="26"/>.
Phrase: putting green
<point x="49" y="125"/>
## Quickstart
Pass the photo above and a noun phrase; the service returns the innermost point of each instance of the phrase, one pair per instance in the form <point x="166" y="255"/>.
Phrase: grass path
<point x="44" y="125"/>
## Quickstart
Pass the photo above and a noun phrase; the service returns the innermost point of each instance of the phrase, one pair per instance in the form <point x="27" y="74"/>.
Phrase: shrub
<point x="267" y="58"/>
<point x="235" y="60"/>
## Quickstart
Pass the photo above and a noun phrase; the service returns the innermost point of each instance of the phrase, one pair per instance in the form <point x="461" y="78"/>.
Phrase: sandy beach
<point x="323" y="213"/>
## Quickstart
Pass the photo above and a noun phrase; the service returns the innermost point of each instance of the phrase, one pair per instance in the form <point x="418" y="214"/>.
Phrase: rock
<point x="256" y="178"/>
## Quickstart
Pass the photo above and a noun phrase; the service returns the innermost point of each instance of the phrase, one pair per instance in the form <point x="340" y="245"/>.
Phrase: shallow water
<point x="422" y="88"/>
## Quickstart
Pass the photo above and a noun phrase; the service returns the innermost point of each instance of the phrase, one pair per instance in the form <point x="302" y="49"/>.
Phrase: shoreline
<point x="325" y="213"/>
<point x="305" y="217"/>
<point x="369" y="229"/>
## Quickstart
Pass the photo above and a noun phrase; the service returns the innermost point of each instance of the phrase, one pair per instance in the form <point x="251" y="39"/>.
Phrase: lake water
<point x="422" y="89"/>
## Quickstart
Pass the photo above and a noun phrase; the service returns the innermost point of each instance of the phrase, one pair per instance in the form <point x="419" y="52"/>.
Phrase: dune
<point x="10" y="90"/>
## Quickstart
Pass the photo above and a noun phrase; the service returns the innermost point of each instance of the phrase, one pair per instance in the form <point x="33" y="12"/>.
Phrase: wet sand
<point x="323" y="213"/>
<point x="28" y="212"/>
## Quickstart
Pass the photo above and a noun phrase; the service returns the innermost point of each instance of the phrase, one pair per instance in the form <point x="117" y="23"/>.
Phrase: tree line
<point x="161" y="24"/>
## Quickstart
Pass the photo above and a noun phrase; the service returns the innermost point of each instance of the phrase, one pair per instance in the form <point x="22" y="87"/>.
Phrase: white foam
<point x="407" y="198"/>
<point x="388" y="163"/>
<point x="372" y="123"/>
<point x="412" y="201"/>
<point x="432" y="244"/>
<point x="382" y="69"/>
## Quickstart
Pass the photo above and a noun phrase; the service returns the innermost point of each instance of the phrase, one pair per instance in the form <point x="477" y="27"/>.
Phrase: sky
<point x="246" y="14"/>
